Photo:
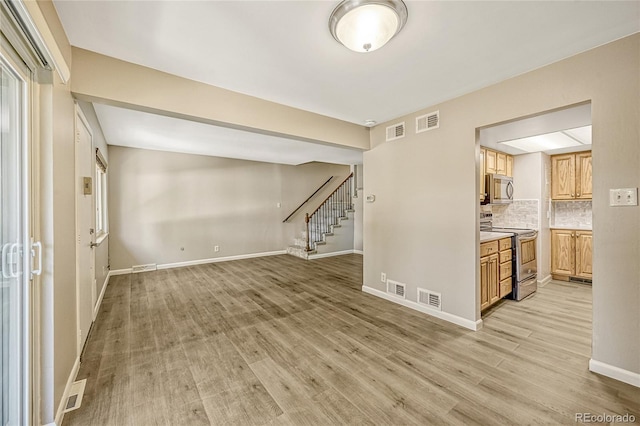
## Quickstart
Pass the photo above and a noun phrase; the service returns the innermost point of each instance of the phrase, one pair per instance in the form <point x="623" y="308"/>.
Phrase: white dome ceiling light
<point x="367" y="25"/>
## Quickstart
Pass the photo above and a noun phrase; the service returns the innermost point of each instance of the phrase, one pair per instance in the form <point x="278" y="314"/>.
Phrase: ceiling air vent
<point x="428" y="122"/>
<point x="396" y="288"/>
<point x="395" y="132"/>
<point x="430" y="298"/>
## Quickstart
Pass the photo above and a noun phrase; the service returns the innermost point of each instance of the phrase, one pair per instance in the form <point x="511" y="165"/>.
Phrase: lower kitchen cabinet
<point x="489" y="291"/>
<point x="496" y="271"/>
<point x="571" y="253"/>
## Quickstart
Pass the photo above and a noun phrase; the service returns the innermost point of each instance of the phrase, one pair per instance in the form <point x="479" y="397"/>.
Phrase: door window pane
<point x="12" y="287"/>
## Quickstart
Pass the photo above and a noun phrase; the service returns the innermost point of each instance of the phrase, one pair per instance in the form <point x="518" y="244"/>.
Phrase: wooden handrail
<point x="307" y="200"/>
<point x="336" y="190"/>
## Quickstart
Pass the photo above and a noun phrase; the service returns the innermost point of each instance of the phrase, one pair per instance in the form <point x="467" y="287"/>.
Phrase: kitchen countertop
<point x="572" y="228"/>
<point x="486" y="236"/>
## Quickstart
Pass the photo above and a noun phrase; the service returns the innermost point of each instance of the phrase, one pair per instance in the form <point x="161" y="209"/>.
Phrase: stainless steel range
<point x="525" y="260"/>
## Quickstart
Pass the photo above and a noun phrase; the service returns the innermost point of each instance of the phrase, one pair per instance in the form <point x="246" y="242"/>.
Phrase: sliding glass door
<point x="14" y="293"/>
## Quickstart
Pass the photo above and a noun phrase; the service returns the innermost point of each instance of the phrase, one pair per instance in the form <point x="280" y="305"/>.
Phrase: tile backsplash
<point x="571" y="214"/>
<point x="519" y="214"/>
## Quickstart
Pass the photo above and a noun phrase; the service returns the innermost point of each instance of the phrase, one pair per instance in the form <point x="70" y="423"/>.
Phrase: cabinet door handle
<point x="572" y="195"/>
<point x="578" y="194"/>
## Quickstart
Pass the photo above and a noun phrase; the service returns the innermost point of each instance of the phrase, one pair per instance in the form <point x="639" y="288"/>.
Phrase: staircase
<point x="325" y="222"/>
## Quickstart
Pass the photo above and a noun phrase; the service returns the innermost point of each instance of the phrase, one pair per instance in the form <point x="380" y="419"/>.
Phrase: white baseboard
<point x="119" y="272"/>
<point x="614" y="372"/>
<point x="463" y="322"/>
<point x="333" y="253"/>
<point x="99" y="302"/>
<point x="358" y="252"/>
<point x="65" y="394"/>
<point x="220" y="259"/>
<point x="544" y="281"/>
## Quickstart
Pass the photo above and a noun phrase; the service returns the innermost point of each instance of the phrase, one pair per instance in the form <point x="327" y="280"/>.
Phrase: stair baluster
<point x="328" y="213"/>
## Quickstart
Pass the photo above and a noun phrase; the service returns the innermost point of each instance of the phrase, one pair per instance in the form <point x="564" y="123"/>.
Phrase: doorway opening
<point x="550" y="170"/>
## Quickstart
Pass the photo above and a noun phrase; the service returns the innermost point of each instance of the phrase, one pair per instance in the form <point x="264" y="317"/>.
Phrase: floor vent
<point x="75" y="395"/>
<point x="144" y="268"/>
<point x="395" y="132"/>
<point x="580" y="280"/>
<point x="430" y="298"/>
<point x="428" y="122"/>
<point x="397" y="288"/>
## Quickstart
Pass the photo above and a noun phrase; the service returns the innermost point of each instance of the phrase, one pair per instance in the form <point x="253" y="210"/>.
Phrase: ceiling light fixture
<point x="367" y="25"/>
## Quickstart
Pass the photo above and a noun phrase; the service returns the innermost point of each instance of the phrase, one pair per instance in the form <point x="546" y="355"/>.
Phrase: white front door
<point x="84" y="227"/>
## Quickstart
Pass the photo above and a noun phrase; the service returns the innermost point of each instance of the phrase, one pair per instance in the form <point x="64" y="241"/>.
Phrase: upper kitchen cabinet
<point x="493" y="162"/>
<point x="497" y="162"/>
<point x="571" y="176"/>
<point x="490" y="161"/>
<point x="509" y="166"/>
<point x="584" y="185"/>
<point x="501" y="163"/>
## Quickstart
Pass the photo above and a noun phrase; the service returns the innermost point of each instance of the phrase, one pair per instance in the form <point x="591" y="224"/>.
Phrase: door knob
<point x="91" y="231"/>
<point x="93" y="245"/>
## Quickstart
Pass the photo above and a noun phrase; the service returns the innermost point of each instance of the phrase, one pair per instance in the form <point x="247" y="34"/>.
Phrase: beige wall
<point x="64" y="253"/>
<point x="160" y="202"/>
<point x="529" y="176"/>
<point x="432" y="240"/>
<point x="107" y="80"/>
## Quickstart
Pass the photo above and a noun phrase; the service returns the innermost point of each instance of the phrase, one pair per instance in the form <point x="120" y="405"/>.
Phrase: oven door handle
<point x="522" y="239"/>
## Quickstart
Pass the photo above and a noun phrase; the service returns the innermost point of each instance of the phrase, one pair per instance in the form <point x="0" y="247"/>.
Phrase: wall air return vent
<point x="428" y="122"/>
<point x="429" y="298"/>
<point x="396" y="131"/>
<point x="397" y="289"/>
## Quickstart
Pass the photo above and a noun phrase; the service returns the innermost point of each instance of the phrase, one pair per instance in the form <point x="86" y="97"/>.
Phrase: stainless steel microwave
<point x="499" y="189"/>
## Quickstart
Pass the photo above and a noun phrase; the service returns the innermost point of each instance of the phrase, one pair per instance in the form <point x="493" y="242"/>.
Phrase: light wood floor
<point x="280" y="340"/>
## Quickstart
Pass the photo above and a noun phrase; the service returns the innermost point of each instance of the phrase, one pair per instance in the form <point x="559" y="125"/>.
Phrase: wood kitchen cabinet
<point x="571" y="176"/>
<point x="496" y="271"/>
<point x="501" y="163"/>
<point x="489" y="289"/>
<point x="584" y="180"/>
<point x="509" y="171"/>
<point x="493" y="162"/>
<point x="571" y="253"/>
<point x="497" y="162"/>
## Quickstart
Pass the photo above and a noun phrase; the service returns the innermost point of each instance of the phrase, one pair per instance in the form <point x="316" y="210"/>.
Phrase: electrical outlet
<point x="383" y="277"/>
<point x="216" y="248"/>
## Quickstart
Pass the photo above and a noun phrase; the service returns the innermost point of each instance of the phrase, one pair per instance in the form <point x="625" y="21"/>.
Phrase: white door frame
<point x="81" y="119"/>
<point x="25" y="312"/>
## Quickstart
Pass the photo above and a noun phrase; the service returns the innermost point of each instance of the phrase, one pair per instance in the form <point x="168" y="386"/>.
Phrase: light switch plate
<point x="623" y="197"/>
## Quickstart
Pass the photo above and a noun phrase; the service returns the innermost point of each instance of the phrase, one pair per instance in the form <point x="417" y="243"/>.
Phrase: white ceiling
<point x="136" y="129"/>
<point x="282" y="51"/>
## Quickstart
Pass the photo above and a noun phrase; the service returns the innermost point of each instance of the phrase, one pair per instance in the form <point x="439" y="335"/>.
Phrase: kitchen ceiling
<point x="282" y="51"/>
